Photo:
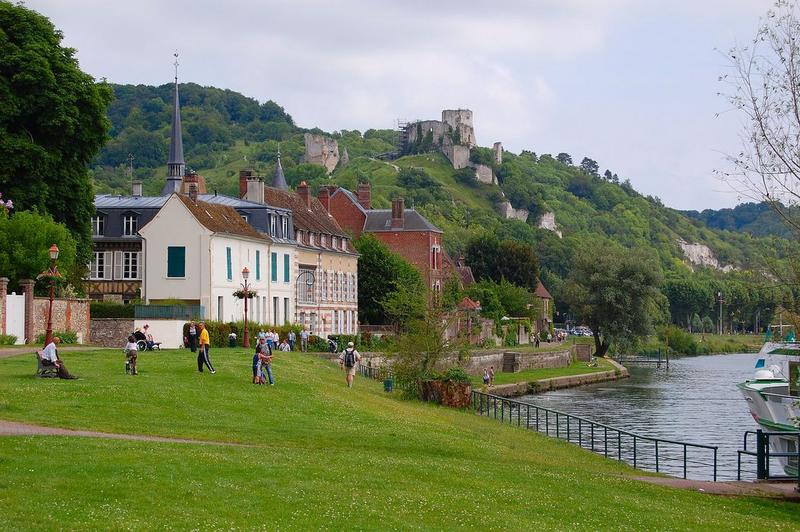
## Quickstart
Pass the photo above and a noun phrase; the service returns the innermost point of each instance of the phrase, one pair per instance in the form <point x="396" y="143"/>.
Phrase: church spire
<point x="278" y="180"/>
<point x="175" y="164"/>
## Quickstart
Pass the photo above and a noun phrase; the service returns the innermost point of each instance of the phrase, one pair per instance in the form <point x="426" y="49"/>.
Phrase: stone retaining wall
<point x="558" y="383"/>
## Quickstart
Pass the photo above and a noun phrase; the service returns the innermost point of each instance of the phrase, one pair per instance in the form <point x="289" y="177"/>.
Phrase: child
<point x="265" y="362"/>
<point x="491" y="376"/>
<point x="486" y="377"/>
<point x="257" y="364"/>
<point x="131" y="352"/>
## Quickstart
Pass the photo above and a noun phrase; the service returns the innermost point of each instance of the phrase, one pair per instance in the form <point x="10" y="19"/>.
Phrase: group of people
<point x="488" y="376"/>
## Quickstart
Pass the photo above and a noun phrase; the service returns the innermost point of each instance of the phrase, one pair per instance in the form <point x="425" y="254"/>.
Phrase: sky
<point x="631" y="84"/>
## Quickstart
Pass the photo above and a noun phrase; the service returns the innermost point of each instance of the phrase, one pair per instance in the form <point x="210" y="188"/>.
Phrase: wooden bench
<point x="42" y="371"/>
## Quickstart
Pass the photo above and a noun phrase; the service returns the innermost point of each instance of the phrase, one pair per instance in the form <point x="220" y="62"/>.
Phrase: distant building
<point x="405" y="231"/>
<point x="545" y="318"/>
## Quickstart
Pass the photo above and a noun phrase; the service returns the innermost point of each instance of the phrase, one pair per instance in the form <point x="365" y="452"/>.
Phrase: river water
<point x="694" y="400"/>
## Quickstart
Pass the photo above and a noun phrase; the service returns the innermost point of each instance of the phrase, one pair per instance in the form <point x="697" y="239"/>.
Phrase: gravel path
<point x="14" y="428"/>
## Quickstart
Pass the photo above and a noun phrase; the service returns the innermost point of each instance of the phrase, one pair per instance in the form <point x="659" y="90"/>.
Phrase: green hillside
<point x="757" y="219"/>
<point x="225" y="132"/>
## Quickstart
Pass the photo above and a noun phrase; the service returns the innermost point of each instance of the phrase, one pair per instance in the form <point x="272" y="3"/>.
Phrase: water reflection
<point x="695" y="400"/>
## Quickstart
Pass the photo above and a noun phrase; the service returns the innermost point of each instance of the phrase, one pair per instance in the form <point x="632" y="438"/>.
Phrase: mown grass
<point x="327" y="457"/>
<point x="529" y="375"/>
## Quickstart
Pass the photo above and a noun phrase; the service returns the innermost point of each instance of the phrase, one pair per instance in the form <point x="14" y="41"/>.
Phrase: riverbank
<point x="322" y="456"/>
<point x="543" y="380"/>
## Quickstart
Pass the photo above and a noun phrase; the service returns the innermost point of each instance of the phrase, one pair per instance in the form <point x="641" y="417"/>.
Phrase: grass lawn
<point x="328" y="457"/>
<point x="528" y="375"/>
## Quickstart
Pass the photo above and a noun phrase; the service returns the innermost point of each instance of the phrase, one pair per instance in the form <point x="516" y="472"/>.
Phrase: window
<point x="272" y="226"/>
<point x="286" y="274"/>
<point x="220" y="308"/>
<point x="244" y="217"/>
<point x="335" y="321"/>
<point x="276" y="311"/>
<point x="285" y="309"/>
<point x="129" y="225"/>
<point x="258" y="265"/>
<point x="98" y="225"/>
<point x="325" y="286"/>
<point x="285" y="227"/>
<point x="344" y="244"/>
<point x="305" y="286"/>
<point x="274" y="267"/>
<point x="323" y="241"/>
<point x="176" y="261"/>
<point x="228" y="264"/>
<point x="334" y="242"/>
<point x="311" y="239"/>
<point x="435" y="257"/>
<point x="130" y="265"/>
<point x="101" y="265"/>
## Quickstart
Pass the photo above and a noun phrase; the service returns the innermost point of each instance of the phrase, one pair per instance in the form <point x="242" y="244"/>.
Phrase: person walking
<point x="349" y="360"/>
<point x="292" y="339"/>
<point x="491" y="376"/>
<point x="202" y="355"/>
<point x="304" y="340"/>
<point x="192" y="337"/>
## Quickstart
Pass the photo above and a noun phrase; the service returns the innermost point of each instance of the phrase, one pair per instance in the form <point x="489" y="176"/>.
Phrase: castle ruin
<point x="321" y="150"/>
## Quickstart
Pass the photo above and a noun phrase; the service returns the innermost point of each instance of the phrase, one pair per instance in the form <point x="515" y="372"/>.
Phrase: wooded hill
<point x="225" y="131"/>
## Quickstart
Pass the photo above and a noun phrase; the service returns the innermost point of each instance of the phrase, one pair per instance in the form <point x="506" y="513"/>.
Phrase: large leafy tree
<point x="496" y="260"/>
<point x="52" y="122"/>
<point x="615" y="292"/>
<point x="389" y="288"/>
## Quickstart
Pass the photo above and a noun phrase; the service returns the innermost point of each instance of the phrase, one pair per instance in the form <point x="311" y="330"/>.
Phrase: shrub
<point x="105" y="309"/>
<point x="678" y="340"/>
<point x="67" y="337"/>
<point x="8" y="339"/>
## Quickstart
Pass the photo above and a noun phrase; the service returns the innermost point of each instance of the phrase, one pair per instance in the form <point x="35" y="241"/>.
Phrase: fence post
<point x="528" y="416"/>
<point x="656" y="456"/>
<point x="634" y="451"/>
<point x="761" y="456"/>
<point x="684" y="460"/>
<point x="715" y="464"/>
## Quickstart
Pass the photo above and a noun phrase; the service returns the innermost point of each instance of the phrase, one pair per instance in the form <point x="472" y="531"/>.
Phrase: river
<point x="694" y="400"/>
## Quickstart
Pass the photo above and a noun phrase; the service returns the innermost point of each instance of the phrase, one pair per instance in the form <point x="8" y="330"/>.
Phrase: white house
<point x="195" y="251"/>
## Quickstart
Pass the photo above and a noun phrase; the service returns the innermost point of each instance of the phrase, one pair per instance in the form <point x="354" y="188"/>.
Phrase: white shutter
<point x="139" y="266"/>
<point x="117" y="265"/>
<point x="108" y="257"/>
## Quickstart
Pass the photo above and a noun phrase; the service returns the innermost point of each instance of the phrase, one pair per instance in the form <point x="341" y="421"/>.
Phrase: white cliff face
<point x="548" y="221"/>
<point x="508" y="212"/>
<point x="701" y="255"/>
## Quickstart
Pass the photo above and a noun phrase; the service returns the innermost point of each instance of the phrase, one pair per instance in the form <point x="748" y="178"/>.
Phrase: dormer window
<point x="98" y="225"/>
<point x="130" y="224"/>
<point x="334" y="242"/>
<point x="323" y="241"/>
<point x="285" y="227"/>
<point x="273" y="227"/>
<point x="311" y="239"/>
<point x="245" y="217"/>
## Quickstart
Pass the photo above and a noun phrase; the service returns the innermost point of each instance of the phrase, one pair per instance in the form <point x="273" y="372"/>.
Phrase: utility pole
<point x="719" y="296"/>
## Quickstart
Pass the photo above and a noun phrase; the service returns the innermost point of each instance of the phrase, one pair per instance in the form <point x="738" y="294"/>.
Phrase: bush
<point x="454" y="375"/>
<point x="8" y="339"/>
<point x="67" y="337"/>
<point x="104" y="309"/>
<point x="678" y="340"/>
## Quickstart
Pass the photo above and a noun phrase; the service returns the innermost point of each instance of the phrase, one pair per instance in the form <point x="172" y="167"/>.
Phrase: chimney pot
<point x="398" y="213"/>
<point x="193" y="192"/>
<point x="255" y="190"/>
<point x="136" y="189"/>
<point x="243" y="176"/>
<point x="303" y="192"/>
<point x="365" y="195"/>
<point x="325" y="198"/>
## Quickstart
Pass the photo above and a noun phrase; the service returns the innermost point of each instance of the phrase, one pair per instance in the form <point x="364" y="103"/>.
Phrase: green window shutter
<point x="274" y="267"/>
<point x="230" y="266"/>
<point x="176" y="261"/>
<point x="285" y="268"/>
<point x="258" y="265"/>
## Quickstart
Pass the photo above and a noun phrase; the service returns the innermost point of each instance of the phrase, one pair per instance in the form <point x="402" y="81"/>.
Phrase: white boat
<point x="773" y="396"/>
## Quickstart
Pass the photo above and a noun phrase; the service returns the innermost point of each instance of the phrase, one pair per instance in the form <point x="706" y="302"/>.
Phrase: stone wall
<point x="110" y="332"/>
<point x="437" y="128"/>
<point x="555" y="383"/>
<point x="321" y="150"/>
<point x="548" y="221"/>
<point x="457" y="154"/>
<point x="555" y="359"/>
<point x="484" y="174"/>
<point x="460" y="120"/>
<point x="498" y="153"/>
<point x="508" y="212"/>
<point x="68" y="315"/>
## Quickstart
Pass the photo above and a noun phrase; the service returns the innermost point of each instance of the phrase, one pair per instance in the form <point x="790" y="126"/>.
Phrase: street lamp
<point x="52" y="273"/>
<point x="721" y="301"/>
<point x="246" y="291"/>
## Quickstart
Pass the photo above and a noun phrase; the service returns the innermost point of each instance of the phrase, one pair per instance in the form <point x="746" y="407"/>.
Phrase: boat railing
<point x="764" y="453"/>
<point x="781" y="395"/>
<point x="673" y="457"/>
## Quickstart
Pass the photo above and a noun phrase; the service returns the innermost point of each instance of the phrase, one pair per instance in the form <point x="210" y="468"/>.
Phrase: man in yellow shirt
<point x="202" y="353"/>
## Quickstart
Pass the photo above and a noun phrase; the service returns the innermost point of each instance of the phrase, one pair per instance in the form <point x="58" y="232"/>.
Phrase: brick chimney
<point x="365" y="195"/>
<point x="193" y="192"/>
<point x="303" y="192"/>
<point x="325" y="198"/>
<point x="243" y="176"/>
<point x="398" y="212"/>
<point x="136" y="189"/>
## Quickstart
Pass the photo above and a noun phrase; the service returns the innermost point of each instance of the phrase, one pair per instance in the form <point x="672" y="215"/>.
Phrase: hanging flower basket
<point x="240" y="294"/>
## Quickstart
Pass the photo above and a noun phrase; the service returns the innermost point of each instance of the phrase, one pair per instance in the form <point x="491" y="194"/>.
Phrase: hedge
<point x="67" y="337"/>
<point x="105" y="309"/>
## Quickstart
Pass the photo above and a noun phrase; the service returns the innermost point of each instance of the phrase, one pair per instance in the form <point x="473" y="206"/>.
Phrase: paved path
<point x="14" y="428"/>
<point x="6" y="352"/>
<point x="785" y="490"/>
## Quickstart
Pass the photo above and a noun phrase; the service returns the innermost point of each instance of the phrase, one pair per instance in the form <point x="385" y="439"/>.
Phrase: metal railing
<point x="656" y="357"/>
<point x="169" y="312"/>
<point x="763" y="454"/>
<point x="382" y="373"/>
<point x="642" y="452"/>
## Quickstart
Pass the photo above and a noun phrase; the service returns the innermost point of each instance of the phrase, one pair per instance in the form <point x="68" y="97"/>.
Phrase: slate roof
<point x="221" y="219"/>
<point x="278" y="179"/>
<point x="541" y="291"/>
<point x="314" y="219"/>
<point x="381" y="220"/>
<point x="107" y="201"/>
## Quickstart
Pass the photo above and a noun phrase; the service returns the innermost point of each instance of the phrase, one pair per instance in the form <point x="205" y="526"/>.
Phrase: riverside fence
<point x="676" y="458"/>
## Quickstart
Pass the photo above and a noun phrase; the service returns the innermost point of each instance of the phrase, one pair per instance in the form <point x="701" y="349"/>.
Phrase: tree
<point x="52" y="122"/>
<point x="763" y="86"/>
<point x="564" y="158"/>
<point x="590" y="166"/>
<point x="25" y="239"/>
<point x="381" y="273"/>
<point x="509" y="260"/>
<point x="697" y="324"/>
<point x="708" y="324"/>
<point x="615" y="292"/>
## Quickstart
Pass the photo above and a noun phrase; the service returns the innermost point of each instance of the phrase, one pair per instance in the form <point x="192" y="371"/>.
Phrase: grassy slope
<point x="528" y="375"/>
<point x="329" y="457"/>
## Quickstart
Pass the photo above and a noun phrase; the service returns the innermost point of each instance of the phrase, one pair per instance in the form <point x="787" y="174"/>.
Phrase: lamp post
<point x="721" y="301"/>
<point x="52" y="273"/>
<point x="246" y="290"/>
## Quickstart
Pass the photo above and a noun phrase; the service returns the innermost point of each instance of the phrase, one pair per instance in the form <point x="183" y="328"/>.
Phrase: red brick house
<point x="405" y="231"/>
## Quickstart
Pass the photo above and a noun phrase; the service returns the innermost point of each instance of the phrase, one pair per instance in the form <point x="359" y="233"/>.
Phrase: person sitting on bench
<point x="50" y="358"/>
